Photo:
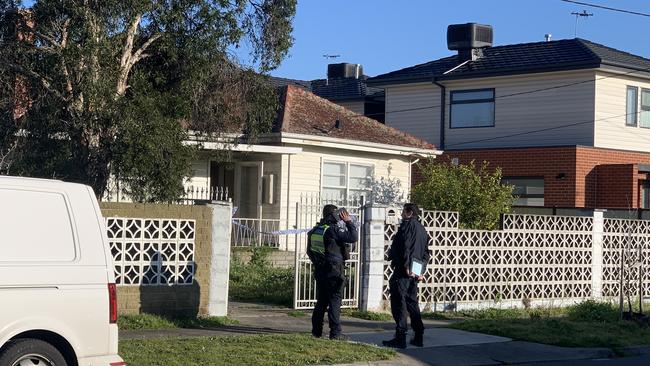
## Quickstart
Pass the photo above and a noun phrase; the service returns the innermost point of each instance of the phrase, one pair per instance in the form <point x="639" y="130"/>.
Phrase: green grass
<point x="258" y="281"/>
<point x="498" y="313"/>
<point x="367" y="315"/>
<point x="562" y="332"/>
<point x="263" y="350"/>
<point x="150" y="321"/>
<point x="588" y="324"/>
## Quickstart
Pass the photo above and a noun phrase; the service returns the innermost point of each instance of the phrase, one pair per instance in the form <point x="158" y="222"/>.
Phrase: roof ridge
<point x="581" y="42"/>
<point x="587" y="42"/>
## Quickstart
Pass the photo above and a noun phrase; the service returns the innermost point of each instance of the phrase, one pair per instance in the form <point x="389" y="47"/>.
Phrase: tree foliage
<point x="97" y="88"/>
<point x="475" y="192"/>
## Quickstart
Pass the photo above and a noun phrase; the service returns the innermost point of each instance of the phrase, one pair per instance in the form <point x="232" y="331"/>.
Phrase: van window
<point x="34" y="227"/>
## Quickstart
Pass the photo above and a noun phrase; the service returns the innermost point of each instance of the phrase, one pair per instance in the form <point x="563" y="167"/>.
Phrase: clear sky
<point x="386" y="35"/>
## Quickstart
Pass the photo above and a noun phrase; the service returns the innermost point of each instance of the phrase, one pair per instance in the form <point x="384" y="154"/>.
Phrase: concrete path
<point x="433" y="337"/>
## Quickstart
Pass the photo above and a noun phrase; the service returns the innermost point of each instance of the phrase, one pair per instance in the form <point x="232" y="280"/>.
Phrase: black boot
<point x="398" y="342"/>
<point x="418" y="340"/>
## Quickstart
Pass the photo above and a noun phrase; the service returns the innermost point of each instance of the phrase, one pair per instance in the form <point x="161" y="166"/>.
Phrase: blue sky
<point x="386" y="35"/>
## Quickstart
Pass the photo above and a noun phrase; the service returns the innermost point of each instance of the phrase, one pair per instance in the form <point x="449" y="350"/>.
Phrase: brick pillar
<point x="372" y="265"/>
<point x="597" y="255"/>
<point x="220" y="261"/>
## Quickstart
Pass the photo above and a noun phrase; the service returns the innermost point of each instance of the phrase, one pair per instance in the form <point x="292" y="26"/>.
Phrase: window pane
<point x="359" y="183"/>
<point x="334" y="168"/>
<point x="645" y="119"/>
<point x="334" y="174"/>
<point x="360" y="171"/>
<point x="645" y="98"/>
<point x="333" y="194"/>
<point x="23" y="211"/>
<point x="472" y="95"/>
<point x="631" y="103"/>
<point x="333" y="181"/>
<point x="472" y="115"/>
<point x="529" y="191"/>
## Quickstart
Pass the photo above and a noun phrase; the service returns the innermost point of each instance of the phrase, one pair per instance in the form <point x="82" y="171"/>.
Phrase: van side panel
<point x="68" y="296"/>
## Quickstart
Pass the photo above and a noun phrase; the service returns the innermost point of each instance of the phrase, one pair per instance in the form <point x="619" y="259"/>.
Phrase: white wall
<point x="423" y="123"/>
<point x="356" y="106"/>
<point x="611" y="131"/>
<point x="532" y="119"/>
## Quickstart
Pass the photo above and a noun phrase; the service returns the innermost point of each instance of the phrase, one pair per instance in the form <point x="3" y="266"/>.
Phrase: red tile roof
<point x="305" y="113"/>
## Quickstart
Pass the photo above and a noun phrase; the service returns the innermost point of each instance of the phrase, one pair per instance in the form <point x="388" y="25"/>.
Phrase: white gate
<point x="308" y="213"/>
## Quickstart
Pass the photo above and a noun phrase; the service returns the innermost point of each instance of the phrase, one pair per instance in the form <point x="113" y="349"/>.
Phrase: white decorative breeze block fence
<point x="534" y="259"/>
<point x="152" y="251"/>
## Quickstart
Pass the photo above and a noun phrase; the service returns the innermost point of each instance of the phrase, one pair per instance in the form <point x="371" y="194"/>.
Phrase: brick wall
<point x="594" y="177"/>
<point x="276" y="258"/>
<point x="188" y="300"/>
<point x="531" y="162"/>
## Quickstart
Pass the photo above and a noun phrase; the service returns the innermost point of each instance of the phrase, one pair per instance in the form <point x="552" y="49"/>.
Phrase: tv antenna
<point x="578" y="15"/>
<point x="328" y="56"/>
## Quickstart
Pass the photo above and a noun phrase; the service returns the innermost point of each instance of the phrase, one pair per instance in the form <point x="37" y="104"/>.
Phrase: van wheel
<point x="31" y="352"/>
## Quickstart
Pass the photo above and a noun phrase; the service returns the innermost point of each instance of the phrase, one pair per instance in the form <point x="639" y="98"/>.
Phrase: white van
<point x="58" y="304"/>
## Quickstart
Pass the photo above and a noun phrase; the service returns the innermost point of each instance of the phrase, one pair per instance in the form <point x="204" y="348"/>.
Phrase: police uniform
<point x="327" y="249"/>
<point x="410" y="242"/>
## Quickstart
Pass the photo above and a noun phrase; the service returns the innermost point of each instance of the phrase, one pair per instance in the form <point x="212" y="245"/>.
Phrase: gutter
<point x="443" y="95"/>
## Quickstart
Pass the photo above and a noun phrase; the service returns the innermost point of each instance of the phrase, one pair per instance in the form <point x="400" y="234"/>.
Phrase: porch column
<point x="220" y="261"/>
<point x="372" y="268"/>
<point x="597" y="256"/>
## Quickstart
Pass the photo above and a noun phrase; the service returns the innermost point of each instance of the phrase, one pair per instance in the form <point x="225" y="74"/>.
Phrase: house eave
<point x="355" y="145"/>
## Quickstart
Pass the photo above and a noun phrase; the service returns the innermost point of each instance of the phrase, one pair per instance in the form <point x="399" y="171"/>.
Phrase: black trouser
<point x="330" y="283"/>
<point x="404" y="299"/>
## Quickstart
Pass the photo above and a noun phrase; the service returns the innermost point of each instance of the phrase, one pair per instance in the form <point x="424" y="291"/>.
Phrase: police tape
<point x="278" y="232"/>
<point x="275" y="232"/>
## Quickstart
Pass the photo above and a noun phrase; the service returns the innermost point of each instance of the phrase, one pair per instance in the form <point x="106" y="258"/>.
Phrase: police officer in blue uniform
<point x="328" y="247"/>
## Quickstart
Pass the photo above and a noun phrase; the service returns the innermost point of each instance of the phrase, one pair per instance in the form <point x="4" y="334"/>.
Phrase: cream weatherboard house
<point x="317" y="149"/>
<point x="568" y="121"/>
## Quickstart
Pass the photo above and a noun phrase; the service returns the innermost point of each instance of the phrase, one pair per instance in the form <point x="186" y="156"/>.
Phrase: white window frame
<point x="347" y="176"/>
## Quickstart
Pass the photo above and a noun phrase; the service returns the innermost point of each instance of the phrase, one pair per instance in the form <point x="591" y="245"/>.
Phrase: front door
<point x="249" y="200"/>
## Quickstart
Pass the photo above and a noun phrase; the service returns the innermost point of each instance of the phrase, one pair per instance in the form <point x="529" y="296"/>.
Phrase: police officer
<point x="328" y="249"/>
<point x="409" y="245"/>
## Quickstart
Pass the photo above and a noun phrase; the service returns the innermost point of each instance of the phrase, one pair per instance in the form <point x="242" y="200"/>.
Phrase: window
<point x="472" y="108"/>
<point x="631" y="103"/>
<point x="645" y="108"/>
<point x="21" y="212"/>
<point x="645" y="194"/>
<point x="529" y="191"/>
<point x="342" y="181"/>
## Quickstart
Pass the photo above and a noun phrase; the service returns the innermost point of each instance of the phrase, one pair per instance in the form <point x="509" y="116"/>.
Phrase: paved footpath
<point x="443" y="346"/>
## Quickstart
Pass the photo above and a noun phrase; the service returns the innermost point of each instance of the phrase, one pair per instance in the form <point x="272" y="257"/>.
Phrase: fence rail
<point x="194" y="195"/>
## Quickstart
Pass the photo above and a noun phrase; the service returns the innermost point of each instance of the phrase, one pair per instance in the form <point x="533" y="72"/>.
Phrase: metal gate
<point x="308" y="213"/>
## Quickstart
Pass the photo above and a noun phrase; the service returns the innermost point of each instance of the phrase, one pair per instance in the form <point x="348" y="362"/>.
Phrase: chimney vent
<point x="469" y="39"/>
<point x="547" y="37"/>
<point x="344" y="70"/>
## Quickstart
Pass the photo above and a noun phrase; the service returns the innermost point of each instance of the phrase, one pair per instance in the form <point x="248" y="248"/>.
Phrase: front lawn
<point x="151" y="321"/>
<point x="263" y="350"/>
<point x="259" y="281"/>
<point x="589" y="324"/>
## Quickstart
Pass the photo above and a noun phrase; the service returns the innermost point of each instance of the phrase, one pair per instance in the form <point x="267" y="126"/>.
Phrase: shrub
<point x="476" y="193"/>
<point x="593" y="311"/>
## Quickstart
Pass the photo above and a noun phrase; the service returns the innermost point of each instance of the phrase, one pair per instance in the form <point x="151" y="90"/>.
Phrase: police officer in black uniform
<point x="409" y="244"/>
<point x="328" y="247"/>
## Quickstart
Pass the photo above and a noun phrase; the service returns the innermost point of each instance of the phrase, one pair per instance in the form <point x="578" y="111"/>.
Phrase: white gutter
<point x="271" y="149"/>
<point x="338" y="143"/>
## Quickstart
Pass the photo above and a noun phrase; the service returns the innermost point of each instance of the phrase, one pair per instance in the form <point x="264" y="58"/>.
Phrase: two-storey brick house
<point x="568" y="121"/>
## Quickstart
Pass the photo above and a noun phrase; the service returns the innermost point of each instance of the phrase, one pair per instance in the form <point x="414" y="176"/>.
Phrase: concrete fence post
<point x="220" y="261"/>
<point x="372" y="275"/>
<point x="597" y="255"/>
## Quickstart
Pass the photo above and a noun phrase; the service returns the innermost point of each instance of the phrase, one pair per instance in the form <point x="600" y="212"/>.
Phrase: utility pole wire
<point x="608" y="8"/>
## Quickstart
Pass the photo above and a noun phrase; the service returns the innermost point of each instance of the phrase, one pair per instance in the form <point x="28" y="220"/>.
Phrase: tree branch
<point x="138" y="55"/>
<point x="47" y="84"/>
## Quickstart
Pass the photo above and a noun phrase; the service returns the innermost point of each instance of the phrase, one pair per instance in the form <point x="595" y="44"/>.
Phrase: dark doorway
<point x="222" y="179"/>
